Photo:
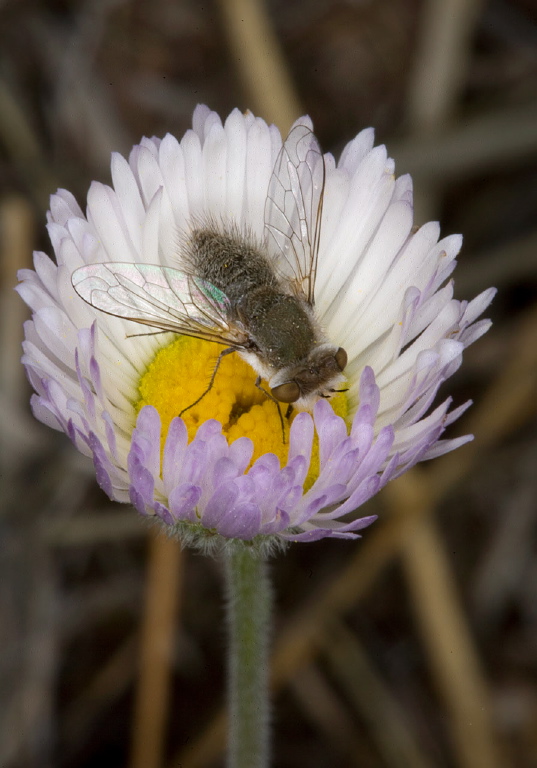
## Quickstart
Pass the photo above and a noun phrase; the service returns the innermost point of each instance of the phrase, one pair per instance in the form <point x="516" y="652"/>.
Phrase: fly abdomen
<point x="279" y="324"/>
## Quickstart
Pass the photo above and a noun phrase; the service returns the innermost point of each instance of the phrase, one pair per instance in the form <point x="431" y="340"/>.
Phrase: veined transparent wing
<point x="294" y="207"/>
<point x="160" y="297"/>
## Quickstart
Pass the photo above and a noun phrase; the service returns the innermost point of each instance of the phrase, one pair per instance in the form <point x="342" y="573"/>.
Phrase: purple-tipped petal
<point x="219" y="504"/>
<point x="301" y="435"/>
<point x="330" y="428"/>
<point x="183" y="500"/>
<point x="369" y="391"/>
<point x="163" y="512"/>
<point x="142" y="480"/>
<point x="240" y="453"/>
<point x="240" y="522"/>
<point x="103" y="466"/>
<point x="147" y="436"/>
<point x="174" y="451"/>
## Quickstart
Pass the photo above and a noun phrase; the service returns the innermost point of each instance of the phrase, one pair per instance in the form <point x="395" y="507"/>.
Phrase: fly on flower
<point x="256" y="298"/>
<point x="248" y="280"/>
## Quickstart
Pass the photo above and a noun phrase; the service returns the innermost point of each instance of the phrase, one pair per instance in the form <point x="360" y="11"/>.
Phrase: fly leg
<point x="271" y="397"/>
<point x="222" y="354"/>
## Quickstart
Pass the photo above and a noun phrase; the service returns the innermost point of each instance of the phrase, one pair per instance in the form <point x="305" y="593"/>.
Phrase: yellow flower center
<point x="180" y="373"/>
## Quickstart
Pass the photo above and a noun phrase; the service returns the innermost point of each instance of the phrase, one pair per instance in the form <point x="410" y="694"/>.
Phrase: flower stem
<point x="249" y="600"/>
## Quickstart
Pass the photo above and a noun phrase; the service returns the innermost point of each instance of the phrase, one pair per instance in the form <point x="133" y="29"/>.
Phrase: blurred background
<point x="415" y="647"/>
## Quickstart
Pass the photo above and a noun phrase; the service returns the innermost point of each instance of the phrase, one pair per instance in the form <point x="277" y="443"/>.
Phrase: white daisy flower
<point x="237" y="464"/>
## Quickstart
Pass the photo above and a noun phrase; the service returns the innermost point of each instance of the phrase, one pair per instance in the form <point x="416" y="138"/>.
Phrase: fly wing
<point x="160" y="297"/>
<point x="293" y="210"/>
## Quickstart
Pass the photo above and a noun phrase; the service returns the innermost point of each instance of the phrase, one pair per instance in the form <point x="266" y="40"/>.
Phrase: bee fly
<point x="255" y="298"/>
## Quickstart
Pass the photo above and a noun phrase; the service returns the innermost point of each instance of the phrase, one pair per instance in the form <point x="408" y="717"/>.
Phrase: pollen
<point x="180" y="373"/>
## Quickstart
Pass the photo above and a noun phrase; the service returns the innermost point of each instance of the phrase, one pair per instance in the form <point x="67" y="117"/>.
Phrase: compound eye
<point x="286" y="393"/>
<point x="341" y="358"/>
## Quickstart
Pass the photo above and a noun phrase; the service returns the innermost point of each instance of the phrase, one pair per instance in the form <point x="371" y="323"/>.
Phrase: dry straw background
<point x="414" y="648"/>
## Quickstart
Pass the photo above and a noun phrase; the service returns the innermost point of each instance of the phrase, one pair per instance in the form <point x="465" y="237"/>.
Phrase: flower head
<point x="238" y="465"/>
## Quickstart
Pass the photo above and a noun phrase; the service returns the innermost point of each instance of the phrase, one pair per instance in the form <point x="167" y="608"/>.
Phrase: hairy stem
<point x="249" y="599"/>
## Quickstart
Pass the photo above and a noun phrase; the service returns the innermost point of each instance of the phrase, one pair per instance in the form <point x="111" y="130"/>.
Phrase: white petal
<point x="63" y="207"/>
<point x="235" y="129"/>
<point x="365" y="288"/>
<point x="477" y="306"/>
<point x="215" y="164"/>
<point x="335" y="197"/>
<point x="172" y="164"/>
<point x="437" y="331"/>
<point x="129" y="198"/>
<point x="191" y="147"/>
<point x="356" y="150"/>
<point x="203" y="119"/>
<point x="259" y="164"/>
<point x="57" y="333"/>
<point x="148" y="173"/>
<point x="150" y="231"/>
<point x="370" y="192"/>
<point x="105" y="214"/>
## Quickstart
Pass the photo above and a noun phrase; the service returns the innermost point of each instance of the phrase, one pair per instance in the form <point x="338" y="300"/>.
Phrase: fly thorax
<point x="229" y="259"/>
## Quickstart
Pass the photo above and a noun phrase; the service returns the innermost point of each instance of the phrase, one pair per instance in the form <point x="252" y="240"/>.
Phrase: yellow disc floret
<point x="180" y="373"/>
